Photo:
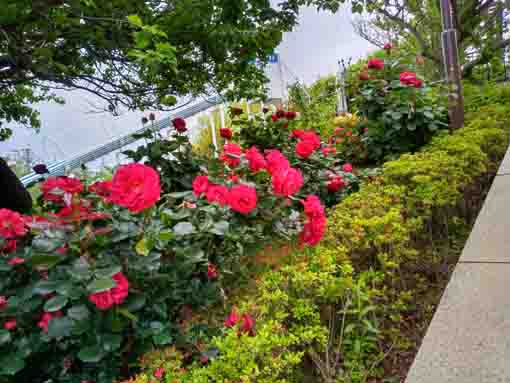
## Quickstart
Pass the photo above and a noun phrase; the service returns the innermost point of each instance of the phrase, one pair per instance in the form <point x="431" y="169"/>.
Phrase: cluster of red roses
<point x="280" y="114"/>
<point x="114" y="296"/>
<point x="315" y="225"/>
<point x="308" y="142"/>
<point x="103" y="301"/>
<point x="406" y="78"/>
<point x="246" y="322"/>
<point x="12" y="226"/>
<point x="410" y="79"/>
<point x="286" y="181"/>
<point x="241" y="198"/>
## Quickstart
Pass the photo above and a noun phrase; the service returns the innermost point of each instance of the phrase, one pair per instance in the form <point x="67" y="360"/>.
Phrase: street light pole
<point x="452" y="67"/>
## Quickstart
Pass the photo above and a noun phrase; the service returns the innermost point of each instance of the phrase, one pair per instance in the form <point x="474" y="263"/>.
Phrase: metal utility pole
<point x="452" y="67"/>
<point x="341" y="103"/>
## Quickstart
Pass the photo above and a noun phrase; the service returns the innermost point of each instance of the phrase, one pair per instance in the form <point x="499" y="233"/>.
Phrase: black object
<point x="13" y="194"/>
<point x="40" y="169"/>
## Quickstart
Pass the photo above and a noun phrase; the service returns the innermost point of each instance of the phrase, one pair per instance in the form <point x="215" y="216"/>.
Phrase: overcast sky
<point x="311" y="51"/>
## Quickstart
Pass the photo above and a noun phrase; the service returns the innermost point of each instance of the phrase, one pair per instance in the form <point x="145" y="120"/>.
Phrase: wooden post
<point x="451" y="67"/>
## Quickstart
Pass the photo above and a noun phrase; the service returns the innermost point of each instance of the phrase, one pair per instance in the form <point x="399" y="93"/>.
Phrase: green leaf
<point x="11" y="364"/>
<point x="111" y="342"/>
<point x="5" y="336"/>
<point x="92" y="354"/>
<point x="179" y="195"/>
<point x="47" y="261"/>
<point x="45" y="287"/>
<point x="135" y="20"/>
<point x="135" y="302"/>
<point x="109" y="272"/>
<point x="100" y="285"/>
<point x="141" y="247"/>
<point x="220" y="228"/>
<point x="127" y="314"/>
<point x="183" y="228"/>
<point x="55" y="303"/>
<point x="165" y="235"/>
<point x="78" y="313"/>
<point x="60" y="327"/>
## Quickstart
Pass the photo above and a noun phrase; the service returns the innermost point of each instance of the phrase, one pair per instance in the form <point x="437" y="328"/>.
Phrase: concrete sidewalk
<point x="468" y="340"/>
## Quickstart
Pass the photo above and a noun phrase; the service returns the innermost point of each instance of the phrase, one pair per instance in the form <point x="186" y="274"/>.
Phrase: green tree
<point x="417" y="25"/>
<point x="136" y="53"/>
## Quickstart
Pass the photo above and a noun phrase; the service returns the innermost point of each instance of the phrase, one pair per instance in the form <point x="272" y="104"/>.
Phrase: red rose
<point x="312" y="138"/>
<point x="136" y="187"/>
<point x="234" y="178"/>
<point x="3" y="302"/>
<point x="15" y="261"/>
<point x="10" y="324"/>
<point x="313" y="231"/>
<point x="376" y="63"/>
<point x="326" y="151"/>
<point x="287" y="182"/>
<point x="101" y="188"/>
<point x="54" y="188"/>
<point x="276" y="161"/>
<point x="231" y="154"/>
<point x="12" y="224"/>
<point x="200" y="185"/>
<point x="313" y="207"/>
<point x="79" y="212"/>
<point x="212" y="273"/>
<point x="248" y="324"/>
<point x="304" y="149"/>
<point x="290" y="115"/>
<point x="45" y="319"/>
<point x="388" y="47"/>
<point x="274" y="117"/>
<point x="336" y="184"/>
<point x="255" y="159"/>
<point x="297" y="133"/>
<point x="280" y="113"/>
<point x="232" y="319"/>
<point x="243" y="199"/>
<point x="159" y="372"/>
<point x="347" y="168"/>
<point x="115" y="296"/>
<point x="179" y="124"/>
<point x="226" y="133"/>
<point x="217" y="193"/>
<point x="410" y="79"/>
<point x="418" y="83"/>
<point x="315" y="226"/>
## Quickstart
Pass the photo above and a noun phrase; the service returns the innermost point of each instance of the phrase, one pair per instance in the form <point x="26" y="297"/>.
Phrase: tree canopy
<point x="479" y="24"/>
<point x="136" y="54"/>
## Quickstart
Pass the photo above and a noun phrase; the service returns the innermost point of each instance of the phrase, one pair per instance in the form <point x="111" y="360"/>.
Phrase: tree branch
<point x="484" y="58"/>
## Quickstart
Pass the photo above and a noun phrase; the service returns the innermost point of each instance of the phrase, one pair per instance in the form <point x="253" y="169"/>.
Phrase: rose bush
<point x="399" y="112"/>
<point x="108" y="271"/>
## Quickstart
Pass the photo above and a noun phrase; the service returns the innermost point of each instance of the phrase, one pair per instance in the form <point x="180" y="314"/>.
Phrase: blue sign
<point x="273" y="59"/>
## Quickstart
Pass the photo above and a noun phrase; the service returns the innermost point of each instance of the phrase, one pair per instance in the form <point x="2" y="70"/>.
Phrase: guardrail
<point x="61" y="167"/>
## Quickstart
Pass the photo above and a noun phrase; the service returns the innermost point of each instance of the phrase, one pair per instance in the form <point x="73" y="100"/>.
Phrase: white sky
<point x="310" y="51"/>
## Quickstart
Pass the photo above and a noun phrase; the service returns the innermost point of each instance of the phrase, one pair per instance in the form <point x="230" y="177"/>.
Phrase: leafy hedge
<point x="341" y="307"/>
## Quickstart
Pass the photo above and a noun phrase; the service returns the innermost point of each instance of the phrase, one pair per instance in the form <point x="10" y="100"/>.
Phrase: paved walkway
<point x="468" y="340"/>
